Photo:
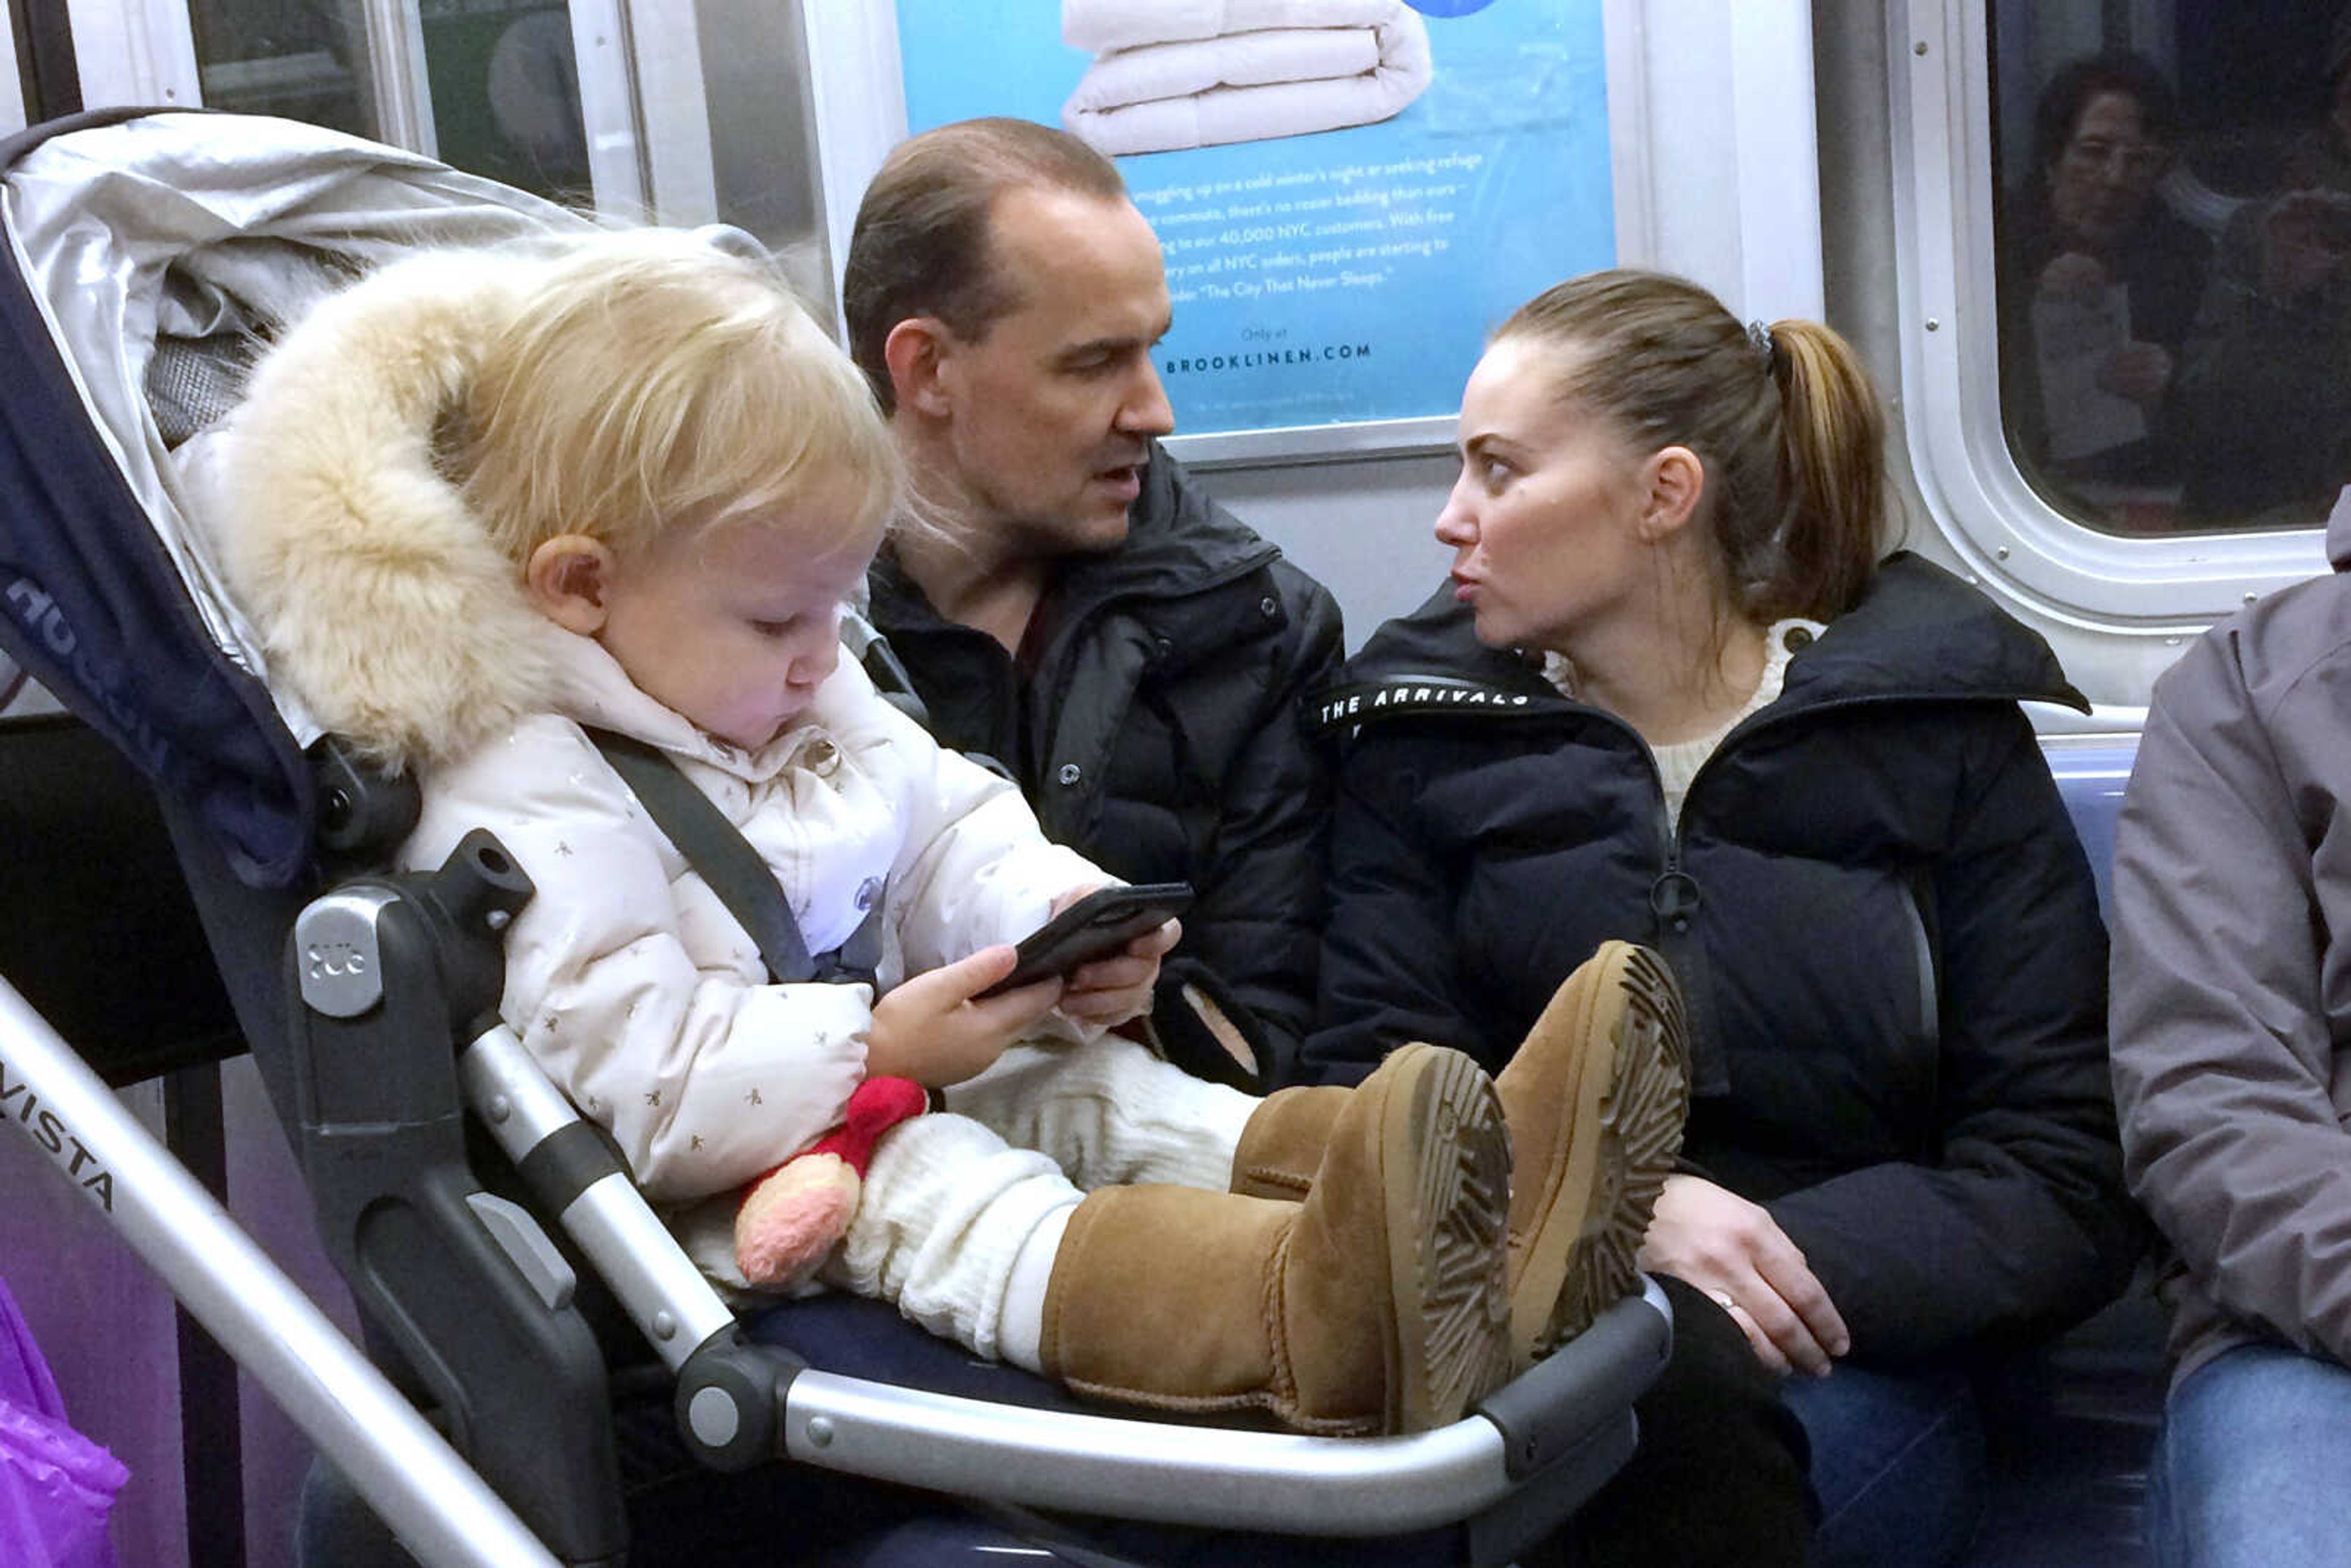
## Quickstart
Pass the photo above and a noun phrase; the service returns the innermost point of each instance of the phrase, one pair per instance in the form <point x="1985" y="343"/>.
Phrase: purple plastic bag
<point x="57" y="1487"/>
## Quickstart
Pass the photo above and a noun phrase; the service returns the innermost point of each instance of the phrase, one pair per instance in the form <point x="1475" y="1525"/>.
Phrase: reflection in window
<point x="2174" y="234"/>
<point x="302" y="60"/>
<point x="501" y="75"/>
<point x="506" y="93"/>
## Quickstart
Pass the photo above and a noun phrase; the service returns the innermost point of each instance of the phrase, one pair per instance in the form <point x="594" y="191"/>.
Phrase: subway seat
<point x="2072" y="1428"/>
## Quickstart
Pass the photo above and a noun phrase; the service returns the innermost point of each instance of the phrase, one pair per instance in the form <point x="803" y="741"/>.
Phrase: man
<point x="1064" y="599"/>
<point x="2231" y="1038"/>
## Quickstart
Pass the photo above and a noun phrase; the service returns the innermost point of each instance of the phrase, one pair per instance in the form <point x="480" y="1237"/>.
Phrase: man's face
<point x="1050" y="409"/>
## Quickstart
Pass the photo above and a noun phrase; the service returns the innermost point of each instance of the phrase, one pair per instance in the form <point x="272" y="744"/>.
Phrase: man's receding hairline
<point x="1006" y="283"/>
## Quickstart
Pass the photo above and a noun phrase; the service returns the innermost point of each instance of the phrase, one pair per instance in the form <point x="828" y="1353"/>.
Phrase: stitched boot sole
<point x="1631" y="1094"/>
<point x="1447" y="1168"/>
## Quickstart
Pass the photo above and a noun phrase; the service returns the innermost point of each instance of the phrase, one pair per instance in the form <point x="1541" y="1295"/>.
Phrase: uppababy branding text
<point x="41" y="616"/>
<point x="18" y="1101"/>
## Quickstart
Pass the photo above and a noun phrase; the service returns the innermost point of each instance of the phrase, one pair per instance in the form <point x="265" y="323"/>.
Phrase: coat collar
<point x="1179" y="544"/>
<point x="1178" y="548"/>
<point x="1917" y="634"/>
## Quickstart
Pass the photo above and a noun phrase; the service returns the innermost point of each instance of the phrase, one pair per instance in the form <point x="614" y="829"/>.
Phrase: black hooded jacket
<point x="1160" y="731"/>
<point x="1883" y="921"/>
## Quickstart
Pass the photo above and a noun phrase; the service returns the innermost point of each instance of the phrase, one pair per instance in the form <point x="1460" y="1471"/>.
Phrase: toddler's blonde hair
<point x="408" y="443"/>
<point x="647" y="382"/>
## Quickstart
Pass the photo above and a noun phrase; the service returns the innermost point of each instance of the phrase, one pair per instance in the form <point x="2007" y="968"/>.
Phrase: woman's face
<point x="1545" y="519"/>
<point x="2101" y="179"/>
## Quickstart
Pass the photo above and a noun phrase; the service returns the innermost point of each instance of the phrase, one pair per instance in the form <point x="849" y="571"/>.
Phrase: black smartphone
<point x="1095" y="926"/>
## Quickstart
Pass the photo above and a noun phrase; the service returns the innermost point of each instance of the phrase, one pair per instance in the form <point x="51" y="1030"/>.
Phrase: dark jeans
<point x="1899" y="1465"/>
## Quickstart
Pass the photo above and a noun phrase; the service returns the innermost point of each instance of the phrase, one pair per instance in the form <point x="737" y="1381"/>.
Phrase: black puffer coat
<point x="1161" y="730"/>
<point x="1885" y="925"/>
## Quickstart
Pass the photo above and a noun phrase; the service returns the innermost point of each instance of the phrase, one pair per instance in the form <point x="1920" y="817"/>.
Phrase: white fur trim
<point x="378" y="598"/>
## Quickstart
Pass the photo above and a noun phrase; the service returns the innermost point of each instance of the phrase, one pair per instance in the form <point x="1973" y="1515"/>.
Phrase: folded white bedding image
<point x="1171" y="74"/>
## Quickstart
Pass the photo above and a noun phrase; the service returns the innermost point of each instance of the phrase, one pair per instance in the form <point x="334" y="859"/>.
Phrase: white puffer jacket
<point x="385" y="615"/>
<point x="632" y="984"/>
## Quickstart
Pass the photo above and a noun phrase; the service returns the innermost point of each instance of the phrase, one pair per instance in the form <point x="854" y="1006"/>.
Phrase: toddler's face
<point x="736" y="628"/>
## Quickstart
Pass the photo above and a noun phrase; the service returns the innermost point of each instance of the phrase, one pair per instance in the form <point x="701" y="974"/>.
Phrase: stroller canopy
<point x="148" y="256"/>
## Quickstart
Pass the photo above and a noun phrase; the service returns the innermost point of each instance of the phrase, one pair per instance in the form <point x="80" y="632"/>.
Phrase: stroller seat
<point x="146" y="254"/>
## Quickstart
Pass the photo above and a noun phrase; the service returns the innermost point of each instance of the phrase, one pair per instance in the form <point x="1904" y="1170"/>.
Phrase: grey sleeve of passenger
<point x="2223" y="1054"/>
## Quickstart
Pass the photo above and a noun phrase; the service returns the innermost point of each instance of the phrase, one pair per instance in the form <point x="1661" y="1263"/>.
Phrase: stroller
<point x="590" y="1380"/>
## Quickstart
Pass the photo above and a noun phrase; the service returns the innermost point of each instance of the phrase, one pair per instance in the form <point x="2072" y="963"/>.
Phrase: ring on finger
<point x="1724" y="1300"/>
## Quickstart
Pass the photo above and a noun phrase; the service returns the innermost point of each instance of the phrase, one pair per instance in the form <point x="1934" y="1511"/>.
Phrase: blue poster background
<point x="1348" y="275"/>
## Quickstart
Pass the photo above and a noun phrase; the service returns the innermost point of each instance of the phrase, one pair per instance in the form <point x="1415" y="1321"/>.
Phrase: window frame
<point x="12" y="84"/>
<point x="640" y="77"/>
<point x="1938" y="71"/>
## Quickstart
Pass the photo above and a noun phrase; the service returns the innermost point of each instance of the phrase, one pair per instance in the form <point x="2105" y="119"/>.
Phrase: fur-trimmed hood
<point x="381" y="605"/>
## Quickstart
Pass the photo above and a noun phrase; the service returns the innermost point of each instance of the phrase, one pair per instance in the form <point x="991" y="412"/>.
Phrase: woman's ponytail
<point x="1833" y="443"/>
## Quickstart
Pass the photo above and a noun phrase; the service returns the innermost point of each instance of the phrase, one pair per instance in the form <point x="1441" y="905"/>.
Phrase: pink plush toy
<point x="790" y="1217"/>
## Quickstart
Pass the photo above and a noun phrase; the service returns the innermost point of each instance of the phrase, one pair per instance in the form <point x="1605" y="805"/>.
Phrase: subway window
<point x="2172" y="228"/>
<point x="276" y="56"/>
<point x="491" y="87"/>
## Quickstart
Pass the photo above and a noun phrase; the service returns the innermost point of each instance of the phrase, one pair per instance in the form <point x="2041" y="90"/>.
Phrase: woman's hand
<point x="2139" y="371"/>
<point x="1734" y="1251"/>
<point x="2071" y="273"/>
<point x="1109" y="991"/>
<point x="935" y="1029"/>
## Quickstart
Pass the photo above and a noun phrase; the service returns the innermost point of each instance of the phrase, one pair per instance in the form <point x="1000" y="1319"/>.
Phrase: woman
<point x="1671" y="695"/>
<point x="2103" y="281"/>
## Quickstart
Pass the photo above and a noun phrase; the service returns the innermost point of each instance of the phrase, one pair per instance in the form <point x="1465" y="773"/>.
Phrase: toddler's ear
<point x="567" y="577"/>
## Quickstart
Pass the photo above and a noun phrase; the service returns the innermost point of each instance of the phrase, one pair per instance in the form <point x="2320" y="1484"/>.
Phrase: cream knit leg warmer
<point x="1111" y="1113"/>
<point x="945" y="1211"/>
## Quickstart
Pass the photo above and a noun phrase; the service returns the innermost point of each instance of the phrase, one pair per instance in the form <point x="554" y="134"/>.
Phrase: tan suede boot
<point x="1284" y="1141"/>
<point x="1376" y="1305"/>
<point x="1595" y="1097"/>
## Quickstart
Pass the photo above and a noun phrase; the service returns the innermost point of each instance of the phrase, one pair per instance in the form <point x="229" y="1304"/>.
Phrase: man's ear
<point x="567" y="577"/>
<point x="917" y="351"/>
<point x="1673" y="479"/>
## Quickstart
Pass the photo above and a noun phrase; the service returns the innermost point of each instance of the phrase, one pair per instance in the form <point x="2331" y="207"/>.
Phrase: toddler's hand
<point x="935" y="1029"/>
<point x="1109" y="991"/>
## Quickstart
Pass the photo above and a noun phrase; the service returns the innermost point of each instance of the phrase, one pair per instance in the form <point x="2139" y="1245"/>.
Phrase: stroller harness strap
<point x="723" y="858"/>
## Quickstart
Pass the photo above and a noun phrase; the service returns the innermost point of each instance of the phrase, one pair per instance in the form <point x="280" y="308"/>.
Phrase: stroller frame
<point x="378" y="1036"/>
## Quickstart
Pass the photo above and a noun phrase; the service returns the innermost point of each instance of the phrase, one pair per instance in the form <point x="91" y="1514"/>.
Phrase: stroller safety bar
<point x="444" y="1513"/>
<point x="1206" y="1475"/>
<point x="575" y="1175"/>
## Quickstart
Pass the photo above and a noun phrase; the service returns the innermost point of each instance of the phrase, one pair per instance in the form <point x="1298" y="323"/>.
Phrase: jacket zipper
<point x="1673" y="898"/>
